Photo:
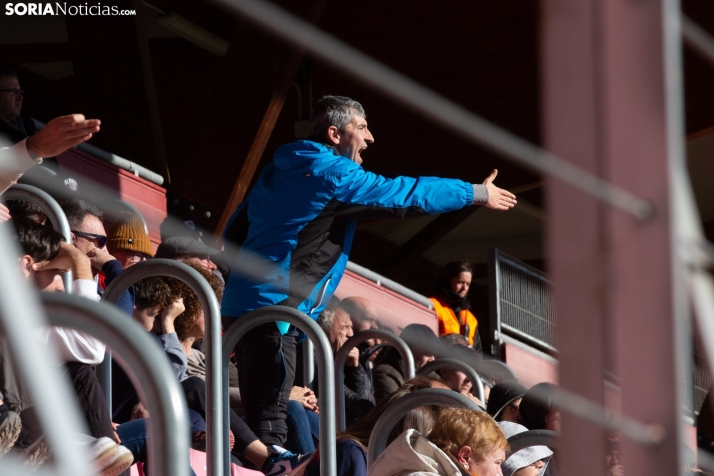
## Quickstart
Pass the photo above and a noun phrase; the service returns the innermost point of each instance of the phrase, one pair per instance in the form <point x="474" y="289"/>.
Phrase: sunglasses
<point x="98" y="240"/>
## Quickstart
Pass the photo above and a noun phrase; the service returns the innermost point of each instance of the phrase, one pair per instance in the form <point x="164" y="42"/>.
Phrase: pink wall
<point x="394" y="310"/>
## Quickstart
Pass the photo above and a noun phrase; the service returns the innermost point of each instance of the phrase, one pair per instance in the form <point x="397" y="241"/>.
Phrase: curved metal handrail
<point x="456" y="365"/>
<point x="534" y="438"/>
<point x="502" y="366"/>
<point x="341" y="358"/>
<point x="328" y="458"/>
<point x="405" y="404"/>
<point x="217" y="442"/>
<point x="54" y="214"/>
<point x="147" y="368"/>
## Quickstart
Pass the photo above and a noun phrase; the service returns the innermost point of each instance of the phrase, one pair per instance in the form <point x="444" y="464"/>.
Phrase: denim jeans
<point x="303" y="429"/>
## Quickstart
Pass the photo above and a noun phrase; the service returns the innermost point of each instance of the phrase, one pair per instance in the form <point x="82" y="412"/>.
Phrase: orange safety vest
<point x="450" y="324"/>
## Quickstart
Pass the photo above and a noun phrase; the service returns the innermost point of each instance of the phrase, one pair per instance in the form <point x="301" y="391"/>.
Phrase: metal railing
<point x="147" y="368"/>
<point x="530" y="438"/>
<point x="54" y="214"/>
<point x="455" y="365"/>
<point x="405" y="404"/>
<point x="217" y="440"/>
<point x="341" y="358"/>
<point x="521" y="303"/>
<point x="325" y="371"/>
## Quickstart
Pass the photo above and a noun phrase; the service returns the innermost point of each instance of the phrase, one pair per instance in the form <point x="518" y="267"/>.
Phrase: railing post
<point x="54" y="214"/>
<point x="308" y="363"/>
<point x="147" y="368"/>
<point x="217" y="442"/>
<point x="328" y="461"/>
<point x="456" y="365"/>
<point x="341" y="358"/>
<point x="405" y="404"/>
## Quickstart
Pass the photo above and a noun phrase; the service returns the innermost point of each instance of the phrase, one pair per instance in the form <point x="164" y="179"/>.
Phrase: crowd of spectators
<point x="427" y="440"/>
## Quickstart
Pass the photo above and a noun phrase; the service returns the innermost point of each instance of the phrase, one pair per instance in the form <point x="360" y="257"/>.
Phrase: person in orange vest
<point x="451" y="303"/>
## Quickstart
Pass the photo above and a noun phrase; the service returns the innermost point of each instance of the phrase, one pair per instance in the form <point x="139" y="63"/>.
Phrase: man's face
<point x="10" y="103"/>
<point x="365" y="320"/>
<point x="130" y="258"/>
<point x="354" y="139"/>
<point x="420" y="360"/>
<point x="93" y="225"/>
<point x="341" y="329"/>
<point x="147" y="316"/>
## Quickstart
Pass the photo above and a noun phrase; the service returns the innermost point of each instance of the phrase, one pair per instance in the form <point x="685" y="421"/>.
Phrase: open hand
<point x="498" y="198"/>
<point x="4" y="213"/>
<point x="60" y="134"/>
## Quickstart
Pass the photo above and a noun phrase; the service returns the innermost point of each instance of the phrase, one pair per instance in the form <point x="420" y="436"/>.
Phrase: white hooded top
<point x="413" y="454"/>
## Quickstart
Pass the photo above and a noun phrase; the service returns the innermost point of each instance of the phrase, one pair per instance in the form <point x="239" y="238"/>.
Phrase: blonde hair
<point x="458" y="427"/>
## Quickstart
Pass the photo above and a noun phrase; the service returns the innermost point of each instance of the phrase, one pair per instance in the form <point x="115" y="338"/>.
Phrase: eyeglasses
<point x="14" y="91"/>
<point x="99" y="240"/>
<point x="137" y="257"/>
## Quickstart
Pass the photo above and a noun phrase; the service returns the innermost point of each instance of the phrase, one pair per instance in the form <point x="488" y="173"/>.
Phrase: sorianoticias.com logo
<point x="58" y="8"/>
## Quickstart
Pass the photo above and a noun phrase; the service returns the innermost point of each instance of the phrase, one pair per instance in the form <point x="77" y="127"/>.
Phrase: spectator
<point x="338" y="326"/>
<point x="363" y="315"/>
<point x="45" y="255"/>
<point x="388" y="371"/>
<point x="451" y="303"/>
<point x="460" y="438"/>
<point x="299" y="220"/>
<point x="536" y="411"/>
<point x="127" y="240"/>
<point x="352" y="444"/>
<point x="189" y="251"/>
<point x="455" y="339"/>
<point x="56" y="137"/>
<point x="530" y="461"/>
<point x="504" y="401"/>
<point x="14" y="125"/>
<point x="88" y="235"/>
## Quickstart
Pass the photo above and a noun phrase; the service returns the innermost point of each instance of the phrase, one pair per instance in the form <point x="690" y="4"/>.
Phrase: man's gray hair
<point x="325" y="319"/>
<point x="335" y="111"/>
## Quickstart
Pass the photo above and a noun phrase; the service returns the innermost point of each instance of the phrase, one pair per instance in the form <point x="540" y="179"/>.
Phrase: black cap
<point x="183" y="245"/>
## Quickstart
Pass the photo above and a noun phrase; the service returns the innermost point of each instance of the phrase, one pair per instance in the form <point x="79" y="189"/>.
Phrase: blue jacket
<point x="288" y="242"/>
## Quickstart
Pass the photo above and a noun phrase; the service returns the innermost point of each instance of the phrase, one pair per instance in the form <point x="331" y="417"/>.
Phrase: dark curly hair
<point x="186" y="321"/>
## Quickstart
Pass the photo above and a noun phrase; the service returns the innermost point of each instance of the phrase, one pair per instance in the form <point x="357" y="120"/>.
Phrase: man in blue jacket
<point x="289" y="241"/>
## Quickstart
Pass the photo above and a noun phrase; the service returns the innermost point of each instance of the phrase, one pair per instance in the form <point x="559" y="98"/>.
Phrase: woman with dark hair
<point x="451" y="303"/>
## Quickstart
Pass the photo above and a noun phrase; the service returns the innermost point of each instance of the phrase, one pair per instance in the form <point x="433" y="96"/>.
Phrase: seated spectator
<point x="536" y="411"/>
<point x="504" y="401"/>
<point x="352" y="444"/>
<point x="45" y="256"/>
<point x="363" y="315"/>
<point x="388" y="373"/>
<point x="461" y="438"/>
<point x="530" y="461"/>
<point x="338" y="326"/>
<point x="88" y="235"/>
<point x="127" y="240"/>
<point x="189" y="251"/>
<point x="451" y="303"/>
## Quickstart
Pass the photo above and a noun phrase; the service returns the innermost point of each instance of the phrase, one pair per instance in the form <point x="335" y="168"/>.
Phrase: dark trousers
<point x="195" y="390"/>
<point x="266" y="371"/>
<point x="91" y="399"/>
